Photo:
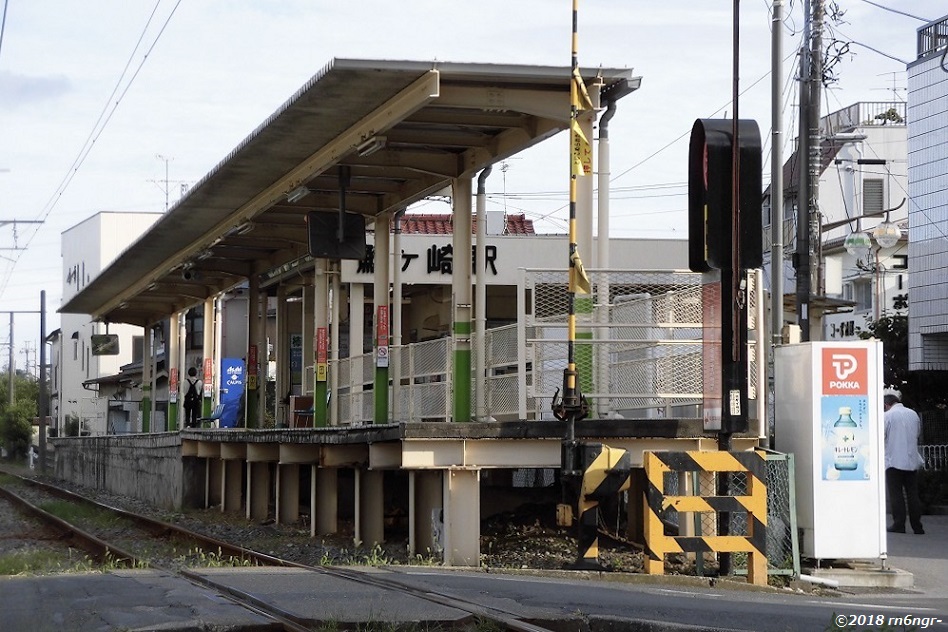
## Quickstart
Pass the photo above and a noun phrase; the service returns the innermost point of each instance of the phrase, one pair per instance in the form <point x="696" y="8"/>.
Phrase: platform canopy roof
<point x="402" y="130"/>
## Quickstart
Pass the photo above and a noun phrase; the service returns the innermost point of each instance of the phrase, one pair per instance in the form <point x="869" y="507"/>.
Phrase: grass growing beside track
<point x="80" y="514"/>
<point x="44" y="562"/>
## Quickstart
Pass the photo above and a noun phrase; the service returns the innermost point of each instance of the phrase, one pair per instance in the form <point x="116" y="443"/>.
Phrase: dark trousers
<point x="191" y="413"/>
<point x="899" y="482"/>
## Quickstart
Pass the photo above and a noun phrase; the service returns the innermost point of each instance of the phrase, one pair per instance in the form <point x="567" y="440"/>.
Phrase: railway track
<point x="125" y="538"/>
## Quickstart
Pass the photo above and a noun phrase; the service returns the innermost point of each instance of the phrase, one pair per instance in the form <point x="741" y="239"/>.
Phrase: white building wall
<point x="841" y="185"/>
<point x="879" y="274"/>
<point x="928" y="212"/>
<point x="507" y="254"/>
<point x="87" y="249"/>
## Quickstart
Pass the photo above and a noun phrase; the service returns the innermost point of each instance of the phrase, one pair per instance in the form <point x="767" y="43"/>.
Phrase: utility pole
<point x="26" y="351"/>
<point x="12" y="362"/>
<point x="806" y="259"/>
<point x="776" y="175"/>
<point x="166" y="188"/>
<point x="14" y="222"/>
<point x="776" y="196"/>
<point x="12" y="366"/>
<point x="43" y="404"/>
<point x="165" y="184"/>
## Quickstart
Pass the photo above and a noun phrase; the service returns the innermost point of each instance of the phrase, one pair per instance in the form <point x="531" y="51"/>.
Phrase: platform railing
<point x="639" y="353"/>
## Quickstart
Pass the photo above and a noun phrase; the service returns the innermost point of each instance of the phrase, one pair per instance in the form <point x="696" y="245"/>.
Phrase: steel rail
<point x="505" y="618"/>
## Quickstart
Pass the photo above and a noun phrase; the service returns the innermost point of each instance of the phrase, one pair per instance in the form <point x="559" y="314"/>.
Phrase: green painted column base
<point x="253" y="405"/>
<point x="320" y="412"/>
<point x="146" y="414"/>
<point x="381" y="395"/>
<point x="172" y="416"/>
<point x="462" y="385"/>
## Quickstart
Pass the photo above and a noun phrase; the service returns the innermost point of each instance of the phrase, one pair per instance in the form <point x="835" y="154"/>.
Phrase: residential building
<point x="87" y="248"/>
<point x="928" y="198"/>
<point x="863" y="184"/>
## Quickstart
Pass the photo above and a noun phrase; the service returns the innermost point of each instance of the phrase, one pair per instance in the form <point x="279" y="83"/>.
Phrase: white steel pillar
<point x="461" y="288"/>
<point x="381" y="389"/>
<point x="426" y="511"/>
<point x="371" y="508"/>
<point x="231" y="485"/>
<point x="462" y="517"/>
<point x="288" y="493"/>
<point x="324" y="501"/>
<point x="282" y="355"/>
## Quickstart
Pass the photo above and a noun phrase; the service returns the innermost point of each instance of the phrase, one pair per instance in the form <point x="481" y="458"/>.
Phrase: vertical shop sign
<point x="381" y="320"/>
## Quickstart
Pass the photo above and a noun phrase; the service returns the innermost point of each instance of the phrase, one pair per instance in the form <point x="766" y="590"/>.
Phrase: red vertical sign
<point x="381" y="330"/>
<point x="322" y="354"/>
<point x="208" y="377"/>
<point x="173" y="385"/>
<point x="252" y="367"/>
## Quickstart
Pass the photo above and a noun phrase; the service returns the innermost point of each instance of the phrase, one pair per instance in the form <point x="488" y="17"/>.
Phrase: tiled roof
<point x="441" y="224"/>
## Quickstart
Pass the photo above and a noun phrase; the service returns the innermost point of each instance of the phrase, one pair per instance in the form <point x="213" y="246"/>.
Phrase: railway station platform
<point x="434" y="473"/>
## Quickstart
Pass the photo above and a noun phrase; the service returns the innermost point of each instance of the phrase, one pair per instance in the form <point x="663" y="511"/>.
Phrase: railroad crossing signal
<point x="606" y="473"/>
<point x="710" y="214"/>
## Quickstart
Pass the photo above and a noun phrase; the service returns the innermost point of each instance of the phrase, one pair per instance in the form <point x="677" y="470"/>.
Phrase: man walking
<point x="902" y="461"/>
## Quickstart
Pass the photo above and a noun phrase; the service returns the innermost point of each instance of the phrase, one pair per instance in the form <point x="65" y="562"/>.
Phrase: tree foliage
<point x="16" y="420"/>
<point x="892" y="330"/>
<point x="923" y="390"/>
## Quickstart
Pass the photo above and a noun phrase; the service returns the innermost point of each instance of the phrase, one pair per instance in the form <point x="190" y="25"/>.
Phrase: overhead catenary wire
<point x="3" y="23"/>
<point x="98" y="128"/>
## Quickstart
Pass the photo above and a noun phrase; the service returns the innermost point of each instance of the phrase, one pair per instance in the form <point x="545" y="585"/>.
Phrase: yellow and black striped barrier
<point x="754" y="503"/>
<point x="606" y="473"/>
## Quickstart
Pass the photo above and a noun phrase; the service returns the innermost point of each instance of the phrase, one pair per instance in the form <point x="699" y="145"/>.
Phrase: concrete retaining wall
<point x="144" y="466"/>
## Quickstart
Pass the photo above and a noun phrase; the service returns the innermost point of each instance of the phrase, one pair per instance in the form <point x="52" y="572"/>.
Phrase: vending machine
<point x="828" y="413"/>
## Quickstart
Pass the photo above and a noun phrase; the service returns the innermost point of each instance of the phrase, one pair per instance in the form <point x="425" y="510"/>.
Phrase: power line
<point x="97" y="129"/>
<point x="908" y="15"/>
<point x="877" y="51"/>
<point x="3" y="23"/>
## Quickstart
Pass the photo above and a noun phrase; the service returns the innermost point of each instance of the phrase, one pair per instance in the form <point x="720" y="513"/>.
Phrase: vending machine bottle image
<point x="846" y="448"/>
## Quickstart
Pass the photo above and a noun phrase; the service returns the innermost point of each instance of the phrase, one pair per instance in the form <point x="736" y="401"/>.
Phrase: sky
<point x="115" y="105"/>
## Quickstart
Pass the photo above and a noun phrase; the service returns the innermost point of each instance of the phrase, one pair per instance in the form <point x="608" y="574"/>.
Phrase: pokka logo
<point x="845" y="371"/>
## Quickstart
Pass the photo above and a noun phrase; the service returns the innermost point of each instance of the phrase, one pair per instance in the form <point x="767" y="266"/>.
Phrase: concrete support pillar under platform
<point x="324" y="501"/>
<point x="426" y="500"/>
<point x="214" y="477"/>
<point x="258" y="490"/>
<point x="462" y="519"/>
<point x="370" y="527"/>
<point x="232" y="485"/>
<point x="288" y="494"/>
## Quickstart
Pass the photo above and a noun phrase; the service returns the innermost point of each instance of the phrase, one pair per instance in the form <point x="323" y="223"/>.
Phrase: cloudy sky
<point x="114" y="105"/>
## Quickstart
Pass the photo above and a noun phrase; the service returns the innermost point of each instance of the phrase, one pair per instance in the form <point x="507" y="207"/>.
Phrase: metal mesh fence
<point x="936" y="457"/>
<point x="638" y="352"/>
<point x="638" y="336"/>
<point x="783" y="556"/>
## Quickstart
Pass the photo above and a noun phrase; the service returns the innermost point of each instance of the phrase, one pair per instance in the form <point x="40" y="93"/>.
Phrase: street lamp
<point x="857" y="244"/>
<point x="887" y="234"/>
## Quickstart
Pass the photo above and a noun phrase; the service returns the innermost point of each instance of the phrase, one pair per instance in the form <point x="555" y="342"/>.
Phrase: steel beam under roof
<point x="432" y="122"/>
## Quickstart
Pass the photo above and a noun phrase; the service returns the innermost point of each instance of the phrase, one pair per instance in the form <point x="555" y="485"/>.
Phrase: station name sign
<point x="427" y="259"/>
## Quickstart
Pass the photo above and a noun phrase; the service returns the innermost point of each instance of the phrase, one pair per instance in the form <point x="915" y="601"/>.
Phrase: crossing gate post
<point x="754" y="503"/>
<point x="606" y="474"/>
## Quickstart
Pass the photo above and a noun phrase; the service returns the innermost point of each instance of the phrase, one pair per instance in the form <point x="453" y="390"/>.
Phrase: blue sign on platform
<point x="232" y="391"/>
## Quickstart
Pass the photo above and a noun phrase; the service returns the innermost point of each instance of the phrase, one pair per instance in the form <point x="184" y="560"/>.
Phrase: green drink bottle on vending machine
<point x="845" y="449"/>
